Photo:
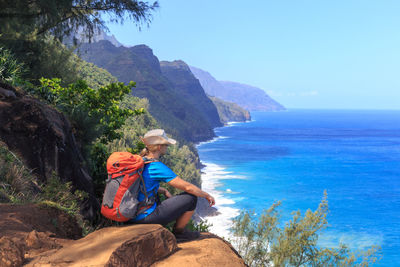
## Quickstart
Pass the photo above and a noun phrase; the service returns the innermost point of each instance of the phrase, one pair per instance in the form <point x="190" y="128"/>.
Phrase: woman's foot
<point x="183" y="235"/>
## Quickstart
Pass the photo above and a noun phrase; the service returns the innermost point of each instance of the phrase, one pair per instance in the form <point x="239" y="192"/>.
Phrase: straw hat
<point x="157" y="137"/>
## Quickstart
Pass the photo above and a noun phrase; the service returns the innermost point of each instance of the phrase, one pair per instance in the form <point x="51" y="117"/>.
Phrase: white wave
<point x="232" y="123"/>
<point x="211" y="141"/>
<point x="211" y="175"/>
<point x="214" y="171"/>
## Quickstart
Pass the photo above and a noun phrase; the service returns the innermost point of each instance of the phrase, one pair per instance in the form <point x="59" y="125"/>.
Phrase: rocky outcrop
<point x="136" y="245"/>
<point x="229" y="111"/>
<point x="29" y="230"/>
<point x="167" y="106"/>
<point x="19" y="220"/>
<point x="33" y="235"/>
<point x="141" y="245"/>
<point x="43" y="138"/>
<point x="248" y="97"/>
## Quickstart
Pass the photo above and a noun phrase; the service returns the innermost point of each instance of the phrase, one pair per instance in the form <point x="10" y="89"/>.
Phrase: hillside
<point x="188" y="87"/>
<point x="139" y="64"/>
<point x="246" y="96"/>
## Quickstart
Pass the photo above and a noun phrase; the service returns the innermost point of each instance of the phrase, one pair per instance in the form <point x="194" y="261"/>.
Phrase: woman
<point x="180" y="207"/>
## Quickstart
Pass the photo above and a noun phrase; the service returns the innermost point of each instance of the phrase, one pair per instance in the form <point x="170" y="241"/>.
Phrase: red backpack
<point x="124" y="181"/>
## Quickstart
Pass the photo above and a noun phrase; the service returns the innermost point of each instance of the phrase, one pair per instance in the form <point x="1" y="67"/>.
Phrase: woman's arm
<point x="191" y="189"/>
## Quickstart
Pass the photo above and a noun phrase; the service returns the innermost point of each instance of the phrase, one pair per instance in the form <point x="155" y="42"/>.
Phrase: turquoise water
<point x="294" y="156"/>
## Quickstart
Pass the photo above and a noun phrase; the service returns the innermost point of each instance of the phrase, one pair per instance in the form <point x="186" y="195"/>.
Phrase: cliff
<point x="188" y="87"/>
<point x="246" y="96"/>
<point x="175" y="113"/>
<point x="229" y="111"/>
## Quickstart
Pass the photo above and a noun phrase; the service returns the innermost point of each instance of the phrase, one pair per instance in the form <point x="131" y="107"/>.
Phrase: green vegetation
<point x="22" y="19"/>
<point x="96" y="112"/>
<point x="18" y="185"/>
<point x="10" y="69"/>
<point x="263" y="242"/>
<point x="168" y="105"/>
<point x="94" y="76"/>
<point x="33" y="31"/>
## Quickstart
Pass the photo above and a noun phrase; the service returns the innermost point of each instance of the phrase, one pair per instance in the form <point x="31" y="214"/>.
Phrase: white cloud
<point x="309" y="93"/>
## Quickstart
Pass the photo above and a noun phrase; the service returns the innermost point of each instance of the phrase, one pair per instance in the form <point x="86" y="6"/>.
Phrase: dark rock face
<point x="43" y="138"/>
<point x="188" y="87"/>
<point x="175" y="113"/>
<point x="246" y="96"/>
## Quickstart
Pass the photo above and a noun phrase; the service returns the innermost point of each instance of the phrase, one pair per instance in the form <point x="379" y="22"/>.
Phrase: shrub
<point x="264" y="242"/>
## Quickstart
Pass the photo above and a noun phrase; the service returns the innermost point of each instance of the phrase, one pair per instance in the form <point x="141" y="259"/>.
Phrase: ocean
<point x="293" y="156"/>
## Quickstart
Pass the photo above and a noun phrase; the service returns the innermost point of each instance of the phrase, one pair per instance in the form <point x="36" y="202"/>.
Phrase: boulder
<point x="135" y="245"/>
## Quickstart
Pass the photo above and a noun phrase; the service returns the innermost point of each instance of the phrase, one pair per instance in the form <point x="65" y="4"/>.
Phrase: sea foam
<point x="211" y="176"/>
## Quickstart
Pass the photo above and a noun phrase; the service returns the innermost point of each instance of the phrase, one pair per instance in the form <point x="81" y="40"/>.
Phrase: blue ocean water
<point x="294" y="156"/>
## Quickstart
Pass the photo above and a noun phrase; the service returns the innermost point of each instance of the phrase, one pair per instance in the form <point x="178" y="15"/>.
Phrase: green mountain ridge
<point x="139" y="64"/>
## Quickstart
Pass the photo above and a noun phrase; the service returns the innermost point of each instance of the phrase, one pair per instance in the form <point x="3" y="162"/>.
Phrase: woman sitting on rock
<point x="180" y="207"/>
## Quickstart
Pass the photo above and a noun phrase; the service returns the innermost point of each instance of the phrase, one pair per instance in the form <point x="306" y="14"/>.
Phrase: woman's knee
<point x="192" y="202"/>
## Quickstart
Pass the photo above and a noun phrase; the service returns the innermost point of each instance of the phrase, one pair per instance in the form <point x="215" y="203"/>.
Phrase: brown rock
<point x="11" y="252"/>
<point x="41" y="241"/>
<point x="136" y="245"/>
<point x="44" y="140"/>
<point x="19" y="220"/>
<point x="208" y="250"/>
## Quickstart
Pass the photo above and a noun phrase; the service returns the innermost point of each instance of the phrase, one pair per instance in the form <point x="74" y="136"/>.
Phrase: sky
<point x="342" y="54"/>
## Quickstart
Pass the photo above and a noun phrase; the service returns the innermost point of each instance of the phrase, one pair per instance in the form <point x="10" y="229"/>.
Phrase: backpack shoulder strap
<point x="149" y="160"/>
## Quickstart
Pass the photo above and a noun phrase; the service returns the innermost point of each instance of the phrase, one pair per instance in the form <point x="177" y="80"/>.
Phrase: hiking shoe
<point x="185" y="235"/>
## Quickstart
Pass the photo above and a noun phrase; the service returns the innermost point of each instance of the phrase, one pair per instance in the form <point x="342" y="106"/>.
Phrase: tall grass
<point x="10" y="69"/>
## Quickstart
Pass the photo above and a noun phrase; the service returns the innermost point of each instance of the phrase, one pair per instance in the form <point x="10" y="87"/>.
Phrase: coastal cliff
<point x="174" y="112"/>
<point x="188" y="87"/>
<point x="229" y="111"/>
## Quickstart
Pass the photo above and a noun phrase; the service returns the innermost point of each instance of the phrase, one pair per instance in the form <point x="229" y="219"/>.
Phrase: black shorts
<point x="171" y="209"/>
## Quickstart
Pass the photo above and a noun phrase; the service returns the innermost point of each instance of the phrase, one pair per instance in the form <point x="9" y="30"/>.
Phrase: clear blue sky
<point x="303" y="53"/>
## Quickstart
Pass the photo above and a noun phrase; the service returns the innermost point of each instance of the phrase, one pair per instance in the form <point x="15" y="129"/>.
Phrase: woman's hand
<point x="177" y="182"/>
<point x="211" y="200"/>
<point x="167" y="194"/>
<point x="164" y="191"/>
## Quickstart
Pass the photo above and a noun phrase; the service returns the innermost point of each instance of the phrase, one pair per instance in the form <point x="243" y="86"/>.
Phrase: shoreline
<point x="225" y="210"/>
<point x="221" y="215"/>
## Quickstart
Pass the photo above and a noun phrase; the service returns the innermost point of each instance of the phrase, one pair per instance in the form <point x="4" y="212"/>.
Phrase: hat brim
<point x="158" y="140"/>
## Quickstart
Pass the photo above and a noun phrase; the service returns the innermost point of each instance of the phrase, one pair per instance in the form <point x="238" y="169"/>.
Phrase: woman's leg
<point x="183" y="220"/>
<point x="180" y="208"/>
